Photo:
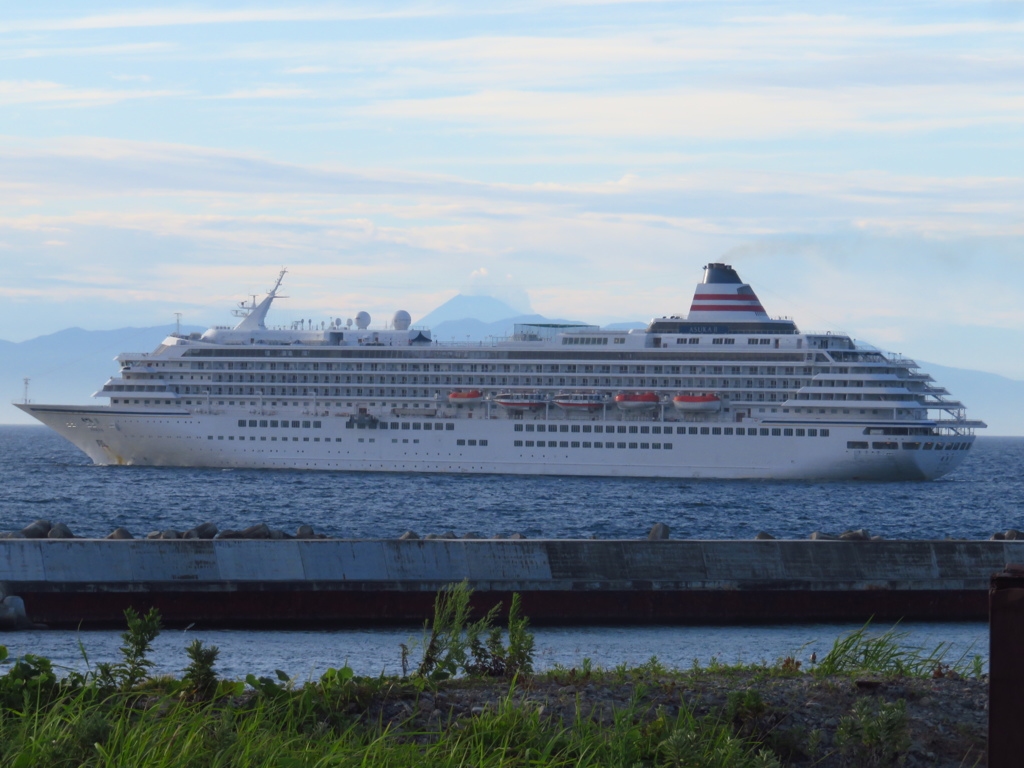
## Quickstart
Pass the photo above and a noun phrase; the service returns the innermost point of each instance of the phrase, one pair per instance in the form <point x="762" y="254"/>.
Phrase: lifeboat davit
<point x="697" y="402"/>
<point x="577" y="401"/>
<point x="634" y="401"/>
<point x="520" y="401"/>
<point x="470" y="397"/>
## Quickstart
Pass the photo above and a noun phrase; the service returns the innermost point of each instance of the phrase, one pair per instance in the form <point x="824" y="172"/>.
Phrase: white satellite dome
<point x="402" y="320"/>
<point x="363" y="321"/>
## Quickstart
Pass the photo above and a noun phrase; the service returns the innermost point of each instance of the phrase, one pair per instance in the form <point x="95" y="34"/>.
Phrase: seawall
<point x="351" y="582"/>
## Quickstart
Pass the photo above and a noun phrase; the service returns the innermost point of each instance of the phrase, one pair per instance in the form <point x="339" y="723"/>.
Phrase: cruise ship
<point x="725" y="391"/>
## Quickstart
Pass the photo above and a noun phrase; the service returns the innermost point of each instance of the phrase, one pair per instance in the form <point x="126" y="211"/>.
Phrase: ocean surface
<point x="42" y="476"/>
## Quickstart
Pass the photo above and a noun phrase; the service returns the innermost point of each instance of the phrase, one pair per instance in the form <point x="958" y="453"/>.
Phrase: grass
<point x="888" y="653"/>
<point x="263" y="732"/>
<point x="116" y="715"/>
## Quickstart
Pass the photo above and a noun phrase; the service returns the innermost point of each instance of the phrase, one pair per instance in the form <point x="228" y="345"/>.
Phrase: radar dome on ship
<point x="402" y="320"/>
<point x="363" y="321"/>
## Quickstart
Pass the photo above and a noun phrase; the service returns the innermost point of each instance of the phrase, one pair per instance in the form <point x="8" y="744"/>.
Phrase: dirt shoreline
<point x="799" y="715"/>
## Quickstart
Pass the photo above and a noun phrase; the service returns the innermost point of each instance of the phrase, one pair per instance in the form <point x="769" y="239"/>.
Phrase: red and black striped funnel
<point x="723" y="296"/>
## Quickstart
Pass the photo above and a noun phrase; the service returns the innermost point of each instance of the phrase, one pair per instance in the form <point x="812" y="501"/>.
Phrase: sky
<point x="860" y="164"/>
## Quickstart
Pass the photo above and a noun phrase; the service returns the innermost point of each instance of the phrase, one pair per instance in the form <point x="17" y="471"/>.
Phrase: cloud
<point x="727" y="53"/>
<point x="195" y="17"/>
<point x="121" y="49"/>
<point x="712" y="115"/>
<point x="14" y="92"/>
<point x="713" y="202"/>
<point x="74" y="165"/>
<point x="269" y="93"/>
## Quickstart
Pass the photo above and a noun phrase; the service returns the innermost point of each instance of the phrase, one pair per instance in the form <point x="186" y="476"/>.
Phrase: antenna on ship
<point x="26" y="389"/>
<point x="177" y="323"/>
<point x="280" y="279"/>
<point x="244" y="307"/>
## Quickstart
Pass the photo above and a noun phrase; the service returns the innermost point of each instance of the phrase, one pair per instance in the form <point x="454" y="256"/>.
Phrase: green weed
<point x="453" y="644"/>
<point x="200" y="681"/>
<point x="887" y="653"/>
<point x="138" y="642"/>
<point x="874" y="736"/>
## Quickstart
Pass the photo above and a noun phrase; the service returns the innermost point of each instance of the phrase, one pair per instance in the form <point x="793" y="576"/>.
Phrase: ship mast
<point x="253" y="315"/>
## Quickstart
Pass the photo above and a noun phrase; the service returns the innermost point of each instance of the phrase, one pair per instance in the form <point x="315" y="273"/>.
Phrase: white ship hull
<point x="181" y="439"/>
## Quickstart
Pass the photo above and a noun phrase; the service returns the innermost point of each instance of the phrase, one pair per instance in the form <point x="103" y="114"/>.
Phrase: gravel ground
<point x="946" y="724"/>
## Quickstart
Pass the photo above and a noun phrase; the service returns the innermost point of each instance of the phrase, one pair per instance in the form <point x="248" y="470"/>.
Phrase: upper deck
<point x="727" y="348"/>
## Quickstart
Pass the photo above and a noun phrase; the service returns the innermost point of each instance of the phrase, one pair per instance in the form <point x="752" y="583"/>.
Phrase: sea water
<point x="43" y="476"/>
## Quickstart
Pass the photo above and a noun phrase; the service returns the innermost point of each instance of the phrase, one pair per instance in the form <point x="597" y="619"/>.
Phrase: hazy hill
<point x="483" y="309"/>
<point x="68" y="366"/>
<point x="990" y="397"/>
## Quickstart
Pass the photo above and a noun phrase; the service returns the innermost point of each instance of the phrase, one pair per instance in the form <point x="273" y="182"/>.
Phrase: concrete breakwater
<point x="236" y="582"/>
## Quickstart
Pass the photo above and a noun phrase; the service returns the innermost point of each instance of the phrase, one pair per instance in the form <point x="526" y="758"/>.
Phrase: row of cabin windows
<point x="384" y="375"/>
<point x="768" y="379"/>
<point x="887" y="445"/>
<point x="283" y="423"/>
<point x="380" y="374"/>
<point x="293" y="424"/>
<point x="724" y="340"/>
<point x="427" y="425"/>
<point x="592" y="428"/>
<point x="578" y="444"/>
<point x="766" y="431"/>
<point x="273" y="438"/>
<point x="471" y="442"/>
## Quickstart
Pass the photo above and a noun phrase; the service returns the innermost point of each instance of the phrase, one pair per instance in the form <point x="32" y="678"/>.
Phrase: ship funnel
<point x="720" y="273"/>
<point x="722" y="296"/>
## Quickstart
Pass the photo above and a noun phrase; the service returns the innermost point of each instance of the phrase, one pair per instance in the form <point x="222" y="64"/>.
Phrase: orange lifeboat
<point x="697" y="402"/>
<point x="470" y="397"/>
<point x="633" y="401"/>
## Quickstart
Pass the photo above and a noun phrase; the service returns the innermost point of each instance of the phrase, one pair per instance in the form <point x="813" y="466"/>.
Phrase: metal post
<point x="1006" y="668"/>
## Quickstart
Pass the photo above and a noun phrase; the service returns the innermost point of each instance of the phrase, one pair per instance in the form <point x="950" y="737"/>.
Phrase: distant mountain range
<point x="68" y="366"/>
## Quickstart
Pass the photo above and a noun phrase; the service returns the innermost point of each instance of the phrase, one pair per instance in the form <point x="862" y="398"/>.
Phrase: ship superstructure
<point x="724" y="392"/>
